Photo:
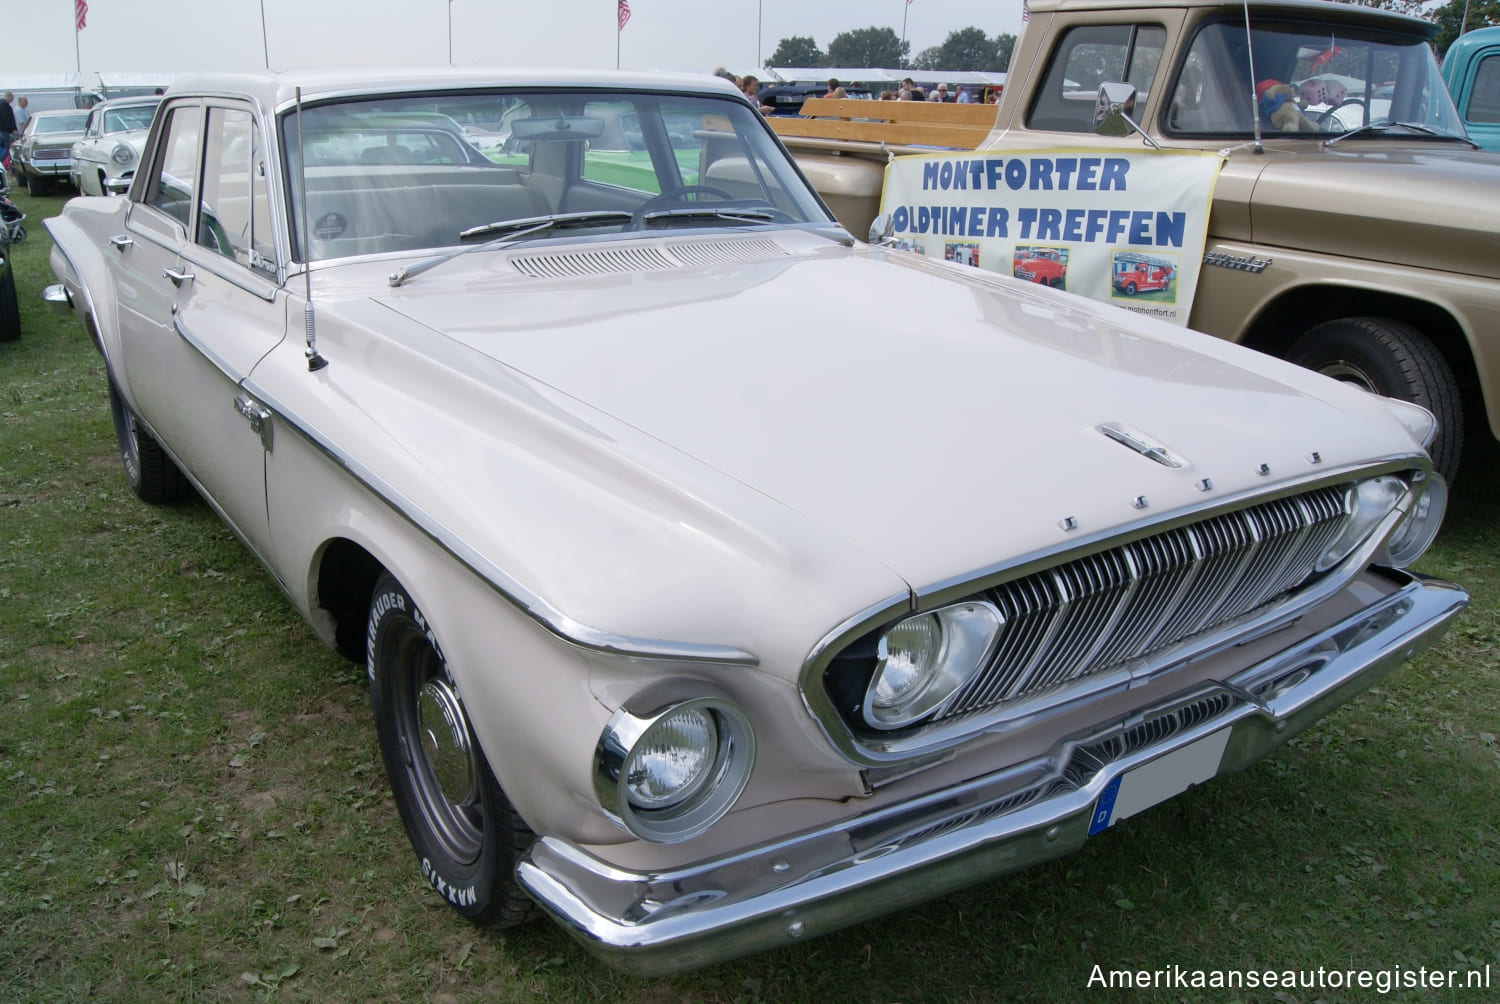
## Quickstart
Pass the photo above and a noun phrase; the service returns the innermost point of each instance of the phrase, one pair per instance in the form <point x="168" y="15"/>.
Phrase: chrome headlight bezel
<point x="1368" y="503"/>
<point x="123" y="154"/>
<point x="708" y="792"/>
<point x="915" y="678"/>
<point x="1420" y="524"/>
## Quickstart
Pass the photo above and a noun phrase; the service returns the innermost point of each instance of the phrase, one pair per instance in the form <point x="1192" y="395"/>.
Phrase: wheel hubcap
<point x="1350" y="374"/>
<point x="444" y="734"/>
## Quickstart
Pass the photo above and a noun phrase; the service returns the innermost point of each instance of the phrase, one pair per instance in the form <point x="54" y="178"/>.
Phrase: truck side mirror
<point x="1114" y="111"/>
<point x="882" y="229"/>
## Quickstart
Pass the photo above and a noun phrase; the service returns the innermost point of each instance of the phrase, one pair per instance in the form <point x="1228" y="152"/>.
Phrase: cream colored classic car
<point x="723" y="580"/>
<point x="106" y="157"/>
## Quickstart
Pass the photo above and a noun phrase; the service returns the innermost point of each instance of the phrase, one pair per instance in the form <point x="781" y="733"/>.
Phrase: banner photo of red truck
<point x="1127" y="228"/>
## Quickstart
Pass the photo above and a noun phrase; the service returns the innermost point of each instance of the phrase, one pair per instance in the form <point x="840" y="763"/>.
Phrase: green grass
<point x="194" y="809"/>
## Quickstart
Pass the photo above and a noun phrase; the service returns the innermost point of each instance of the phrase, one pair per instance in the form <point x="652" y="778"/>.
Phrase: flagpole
<point x="760" y="11"/>
<point x="450" y="32"/>
<point x="905" y="10"/>
<point x="77" y="59"/>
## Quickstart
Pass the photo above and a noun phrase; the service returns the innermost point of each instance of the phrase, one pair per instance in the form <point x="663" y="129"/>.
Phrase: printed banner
<point x="1126" y="228"/>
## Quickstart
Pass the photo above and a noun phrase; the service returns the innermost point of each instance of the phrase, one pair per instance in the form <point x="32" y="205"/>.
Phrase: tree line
<point x="964" y="49"/>
<point x="971" y="49"/>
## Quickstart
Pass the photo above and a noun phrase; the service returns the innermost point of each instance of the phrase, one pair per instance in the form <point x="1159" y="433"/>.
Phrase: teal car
<point x="1471" y="69"/>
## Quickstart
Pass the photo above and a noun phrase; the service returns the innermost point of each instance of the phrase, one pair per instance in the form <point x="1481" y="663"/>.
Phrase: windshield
<point x="422" y="171"/>
<point x="1308" y="79"/>
<point x="129" y="118"/>
<point x="71" y="122"/>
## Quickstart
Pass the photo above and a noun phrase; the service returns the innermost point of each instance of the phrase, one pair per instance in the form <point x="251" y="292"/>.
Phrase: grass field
<point x="194" y="808"/>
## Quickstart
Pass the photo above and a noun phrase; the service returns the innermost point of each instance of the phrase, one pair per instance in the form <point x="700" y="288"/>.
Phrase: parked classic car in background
<point x="107" y="154"/>
<point x="44" y="152"/>
<point x="721" y="580"/>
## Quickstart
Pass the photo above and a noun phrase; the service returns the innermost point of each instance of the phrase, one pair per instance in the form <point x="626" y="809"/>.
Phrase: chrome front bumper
<point x="821" y="880"/>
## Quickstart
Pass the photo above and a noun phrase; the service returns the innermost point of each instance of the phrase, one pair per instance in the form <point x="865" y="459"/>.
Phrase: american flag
<point x="623" y="14"/>
<point x="80" y="14"/>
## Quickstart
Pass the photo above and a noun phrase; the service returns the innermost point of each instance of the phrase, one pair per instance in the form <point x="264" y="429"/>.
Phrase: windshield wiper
<point x="738" y="215"/>
<point x="531" y="224"/>
<point x="1372" y="127"/>
<point x="509" y="231"/>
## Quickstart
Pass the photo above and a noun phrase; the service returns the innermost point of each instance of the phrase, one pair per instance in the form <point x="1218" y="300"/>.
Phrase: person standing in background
<point x="7" y="128"/>
<point x="23" y="114"/>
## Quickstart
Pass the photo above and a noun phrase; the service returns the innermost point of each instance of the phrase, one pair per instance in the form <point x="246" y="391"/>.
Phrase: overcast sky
<point x="691" y="35"/>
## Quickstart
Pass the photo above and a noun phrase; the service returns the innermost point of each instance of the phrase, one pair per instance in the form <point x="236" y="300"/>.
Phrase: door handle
<point x="120" y="242"/>
<point x="177" y="275"/>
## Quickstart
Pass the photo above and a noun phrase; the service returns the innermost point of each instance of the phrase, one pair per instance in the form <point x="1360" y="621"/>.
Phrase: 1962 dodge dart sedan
<point x="723" y="580"/>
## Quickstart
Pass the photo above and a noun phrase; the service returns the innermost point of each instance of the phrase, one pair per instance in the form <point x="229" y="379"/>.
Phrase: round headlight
<point x="1367" y="503"/>
<point x="923" y="660"/>
<point x="669" y="774"/>
<point x="1416" y="532"/>
<point x="673" y="759"/>
<point x="122" y="154"/>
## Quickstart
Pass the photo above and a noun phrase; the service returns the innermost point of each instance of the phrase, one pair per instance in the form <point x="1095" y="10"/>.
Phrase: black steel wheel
<point x="1392" y="358"/>
<point x="152" y="474"/>
<point x="466" y="835"/>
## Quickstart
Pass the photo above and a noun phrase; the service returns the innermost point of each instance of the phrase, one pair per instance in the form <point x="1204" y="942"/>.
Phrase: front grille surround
<point x="1107" y="615"/>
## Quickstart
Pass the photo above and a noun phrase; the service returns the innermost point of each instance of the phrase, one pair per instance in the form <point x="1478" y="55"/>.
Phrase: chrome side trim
<point x="832" y="876"/>
<point x="524" y="599"/>
<point x="199" y="346"/>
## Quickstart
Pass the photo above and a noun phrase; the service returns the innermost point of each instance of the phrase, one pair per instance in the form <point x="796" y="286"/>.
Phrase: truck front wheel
<point x="1392" y="358"/>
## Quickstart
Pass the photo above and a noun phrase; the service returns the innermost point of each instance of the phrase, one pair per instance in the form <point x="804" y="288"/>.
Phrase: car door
<point x="204" y="259"/>
<point x="85" y="154"/>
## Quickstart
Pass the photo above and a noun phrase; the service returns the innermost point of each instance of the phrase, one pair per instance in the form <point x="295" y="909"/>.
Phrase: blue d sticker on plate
<point x="1158" y="780"/>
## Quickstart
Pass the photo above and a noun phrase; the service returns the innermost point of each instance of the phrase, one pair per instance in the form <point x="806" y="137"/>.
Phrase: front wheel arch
<point x="1295" y="312"/>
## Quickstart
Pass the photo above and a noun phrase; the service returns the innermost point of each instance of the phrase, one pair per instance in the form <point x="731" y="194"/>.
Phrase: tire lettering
<point x="467" y="896"/>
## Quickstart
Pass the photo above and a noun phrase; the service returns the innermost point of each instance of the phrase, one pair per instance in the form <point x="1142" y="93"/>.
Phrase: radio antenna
<point x="315" y="361"/>
<point x="1254" y="98"/>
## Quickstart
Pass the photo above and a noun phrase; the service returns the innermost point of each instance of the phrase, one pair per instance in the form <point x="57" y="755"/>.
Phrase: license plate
<point x="1142" y="787"/>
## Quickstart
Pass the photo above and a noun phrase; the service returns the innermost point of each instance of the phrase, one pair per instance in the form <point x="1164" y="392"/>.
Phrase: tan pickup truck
<point x="1358" y="233"/>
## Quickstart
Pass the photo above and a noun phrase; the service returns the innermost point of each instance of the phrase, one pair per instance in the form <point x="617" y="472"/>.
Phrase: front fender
<point x="79" y="264"/>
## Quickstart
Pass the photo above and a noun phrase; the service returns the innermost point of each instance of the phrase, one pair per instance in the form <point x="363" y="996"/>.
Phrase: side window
<point x="171" y="190"/>
<point x="617" y="156"/>
<point x="1484" y="99"/>
<point x="1087" y="57"/>
<point x="233" y="218"/>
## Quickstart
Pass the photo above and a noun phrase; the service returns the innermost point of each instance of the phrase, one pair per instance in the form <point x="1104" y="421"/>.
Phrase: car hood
<point x="1434" y="205"/>
<point x="936" y="418"/>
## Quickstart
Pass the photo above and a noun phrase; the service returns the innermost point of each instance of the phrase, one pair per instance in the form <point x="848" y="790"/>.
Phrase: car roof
<point x="279" y="90"/>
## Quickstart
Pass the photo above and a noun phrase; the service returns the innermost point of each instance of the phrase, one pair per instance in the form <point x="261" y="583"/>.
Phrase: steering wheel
<point x="638" y="218"/>
<point x="1330" y="122"/>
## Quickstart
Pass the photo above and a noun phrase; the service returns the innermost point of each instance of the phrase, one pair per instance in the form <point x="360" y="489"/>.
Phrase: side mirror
<point x="1113" y="111"/>
<point x="882" y="229"/>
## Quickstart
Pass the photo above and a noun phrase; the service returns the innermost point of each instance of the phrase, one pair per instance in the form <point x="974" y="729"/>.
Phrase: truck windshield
<point x="1307" y="79"/>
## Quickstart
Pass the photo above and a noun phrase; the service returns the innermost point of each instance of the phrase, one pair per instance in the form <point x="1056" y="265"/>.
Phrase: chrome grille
<point x="1097" y="612"/>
